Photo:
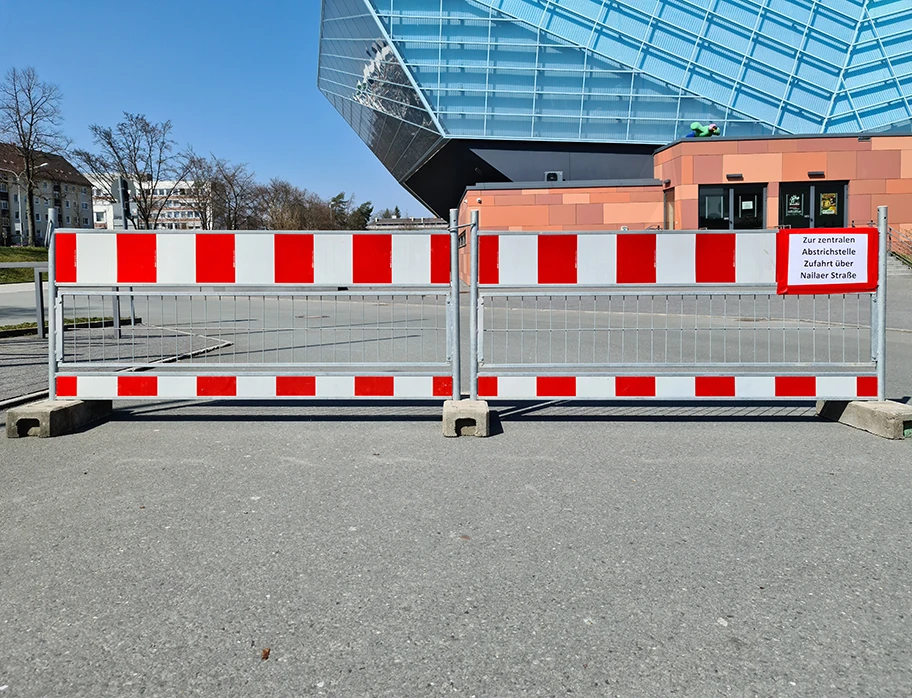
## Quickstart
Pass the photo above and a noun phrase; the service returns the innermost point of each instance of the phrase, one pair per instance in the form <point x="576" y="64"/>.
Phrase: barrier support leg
<point x="466" y="418"/>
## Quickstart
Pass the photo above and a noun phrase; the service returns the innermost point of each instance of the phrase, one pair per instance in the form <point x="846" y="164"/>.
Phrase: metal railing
<point x="38" y="268"/>
<point x="603" y="326"/>
<point x="319" y="331"/>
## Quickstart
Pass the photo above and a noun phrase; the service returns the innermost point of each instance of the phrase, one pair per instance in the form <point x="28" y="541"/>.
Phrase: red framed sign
<point x="826" y="260"/>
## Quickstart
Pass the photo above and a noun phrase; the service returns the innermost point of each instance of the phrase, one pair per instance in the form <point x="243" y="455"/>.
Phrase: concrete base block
<point x="54" y="417"/>
<point x="466" y="417"/>
<point x="888" y="419"/>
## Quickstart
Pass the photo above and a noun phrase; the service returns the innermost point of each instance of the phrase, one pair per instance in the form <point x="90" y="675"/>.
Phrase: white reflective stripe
<point x="596" y="259"/>
<point x="755" y="258"/>
<point x="837" y="386"/>
<point x="413" y="386"/>
<point x="96" y="387"/>
<point x="518" y="257"/>
<point x="676" y="258"/>
<point x="176" y="259"/>
<point x="333" y="259"/>
<point x="676" y="386"/>
<point x="177" y="386"/>
<point x="254" y="259"/>
<point x="335" y="386"/>
<point x="755" y="386"/>
<point x="256" y="386"/>
<point x="412" y="259"/>
<point x="96" y="258"/>
<point x="516" y="386"/>
<point x="595" y="386"/>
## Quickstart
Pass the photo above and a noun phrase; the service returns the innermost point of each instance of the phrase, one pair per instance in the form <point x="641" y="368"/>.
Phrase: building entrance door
<point x="817" y="205"/>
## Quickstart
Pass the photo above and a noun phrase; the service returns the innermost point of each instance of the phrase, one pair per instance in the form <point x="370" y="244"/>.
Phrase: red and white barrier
<point x="677" y="387"/>
<point x="188" y="387"/>
<point x="670" y="258"/>
<point x="109" y="258"/>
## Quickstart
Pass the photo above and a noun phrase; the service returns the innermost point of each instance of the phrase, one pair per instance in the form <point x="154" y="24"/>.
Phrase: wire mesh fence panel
<point x="608" y="329"/>
<point x="330" y="330"/>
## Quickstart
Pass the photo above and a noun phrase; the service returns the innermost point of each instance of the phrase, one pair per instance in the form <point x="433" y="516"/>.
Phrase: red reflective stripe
<point x="796" y="386"/>
<point x="866" y="386"/>
<point x="294" y="258"/>
<point x="715" y="386"/>
<point x="216" y="386"/>
<point x="443" y="386"/>
<point x="555" y="386"/>
<point x="487" y="386"/>
<point x="300" y="386"/>
<point x="136" y="258"/>
<point x="557" y="259"/>
<point x="440" y="259"/>
<point x="372" y="259"/>
<point x="635" y="386"/>
<point x="715" y="258"/>
<point x="488" y="259"/>
<point x="374" y="386"/>
<point x="636" y="258"/>
<point x="139" y="386"/>
<point x="215" y="258"/>
<point x="65" y="262"/>
<point x="66" y="386"/>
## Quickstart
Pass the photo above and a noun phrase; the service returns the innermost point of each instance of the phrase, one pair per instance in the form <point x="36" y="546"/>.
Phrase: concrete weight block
<point x="54" y="417"/>
<point x="466" y="417"/>
<point x="884" y="418"/>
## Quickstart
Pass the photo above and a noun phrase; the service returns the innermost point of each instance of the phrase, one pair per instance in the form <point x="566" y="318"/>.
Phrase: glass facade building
<point x="413" y="77"/>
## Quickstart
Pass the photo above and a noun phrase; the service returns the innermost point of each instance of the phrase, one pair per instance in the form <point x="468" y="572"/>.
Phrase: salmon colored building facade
<point x="720" y="183"/>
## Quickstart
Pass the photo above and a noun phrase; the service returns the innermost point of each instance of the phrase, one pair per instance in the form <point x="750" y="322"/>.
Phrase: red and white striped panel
<point x="108" y="258"/>
<point x="678" y="387"/>
<point x="145" y="385"/>
<point x="595" y="259"/>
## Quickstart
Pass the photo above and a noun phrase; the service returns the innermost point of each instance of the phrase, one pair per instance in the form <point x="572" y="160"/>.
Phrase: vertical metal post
<point x="473" y="307"/>
<point x="39" y="303"/>
<point x="52" y="319"/>
<point x="455" y="336"/>
<point x="882" y="229"/>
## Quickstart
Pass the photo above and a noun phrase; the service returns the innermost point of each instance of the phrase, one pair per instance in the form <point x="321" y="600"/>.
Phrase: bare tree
<point x="30" y="119"/>
<point x="143" y="153"/>
<point x="234" y="200"/>
<point x="201" y="177"/>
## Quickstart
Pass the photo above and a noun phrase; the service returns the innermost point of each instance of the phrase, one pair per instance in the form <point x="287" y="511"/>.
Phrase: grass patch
<point x="21" y="254"/>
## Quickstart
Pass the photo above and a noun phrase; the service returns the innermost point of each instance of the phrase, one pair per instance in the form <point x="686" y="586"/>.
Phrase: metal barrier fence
<point x="662" y="314"/>
<point x="37" y="268"/>
<point x="254" y="315"/>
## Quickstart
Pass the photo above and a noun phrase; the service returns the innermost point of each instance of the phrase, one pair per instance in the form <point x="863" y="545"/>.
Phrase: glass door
<point x="748" y="202"/>
<point x="795" y="205"/>
<point x="829" y="206"/>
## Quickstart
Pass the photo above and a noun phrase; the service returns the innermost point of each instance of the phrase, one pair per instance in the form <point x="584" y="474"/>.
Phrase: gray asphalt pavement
<point x="585" y="549"/>
<point x="162" y="553"/>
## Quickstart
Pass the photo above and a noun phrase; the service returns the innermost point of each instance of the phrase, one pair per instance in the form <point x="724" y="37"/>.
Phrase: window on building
<point x="68" y="220"/>
<point x="817" y="205"/>
<point x="16" y="198"/>
<point x="44" y="185"/>
<point x="85" y="206"/>
<point x="85" y="221"/>
<point x="4" y="205"/>
<point x="99" y="216"/>
<point x="38" y="217"/>
<point x="3" y="187"/>
<point x="67" y="203"/>
<point x="84" y="190"/>
<point x="735" y="207"/>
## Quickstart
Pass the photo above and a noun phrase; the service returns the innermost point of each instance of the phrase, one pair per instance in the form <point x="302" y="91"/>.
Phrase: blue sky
<point x="236" y="78"/>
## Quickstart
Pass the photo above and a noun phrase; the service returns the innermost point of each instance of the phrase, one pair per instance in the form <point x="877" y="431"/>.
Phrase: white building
<point x="57" y="184"/>
<point x="178" y="213"/>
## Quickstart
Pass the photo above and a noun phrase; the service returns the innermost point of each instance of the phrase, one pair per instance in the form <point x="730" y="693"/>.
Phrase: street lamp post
<point x="22" y="229"/>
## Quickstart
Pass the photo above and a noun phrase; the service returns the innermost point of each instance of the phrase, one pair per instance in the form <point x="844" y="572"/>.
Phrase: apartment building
<point x="57" y="185"/>
<point x="178" y="212"/>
